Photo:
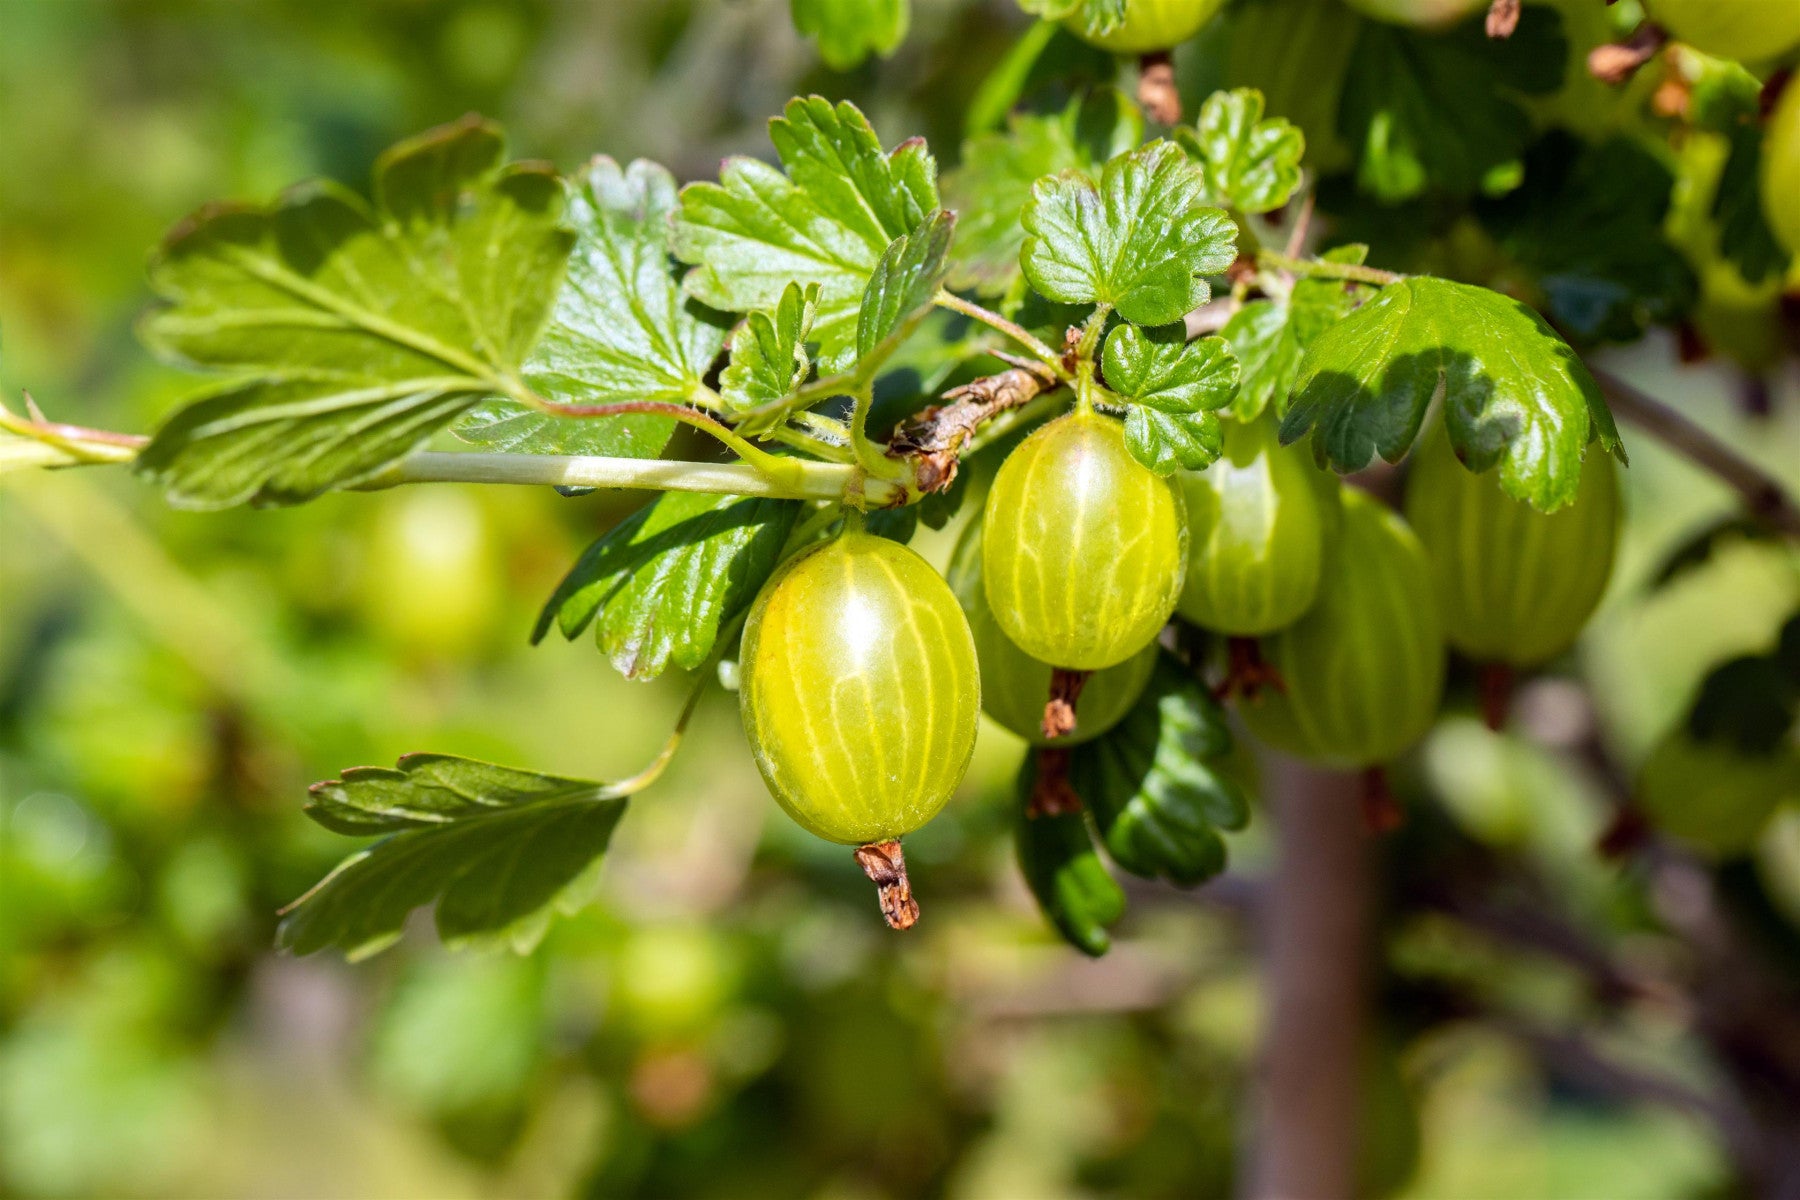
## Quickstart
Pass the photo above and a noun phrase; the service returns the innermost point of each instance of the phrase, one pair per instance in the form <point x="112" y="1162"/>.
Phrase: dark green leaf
<point x="1441" y="112"/>
<point x="901" y="290"/>
<point x="827" y="219"/>
<point x="768" y="355"/>
<point x="1744" y="234"/>
<point x="1514" y="394"/>
<point x="1698" y="549"/>
<point x="848" y="31"/>
<point x="1750" y="702"/>
<point x="989" y="190"/>
<point x="1172" y="385"/>
<point x="1249" y="163"/>
<point x="1167" y="442"/>
<point x="621" y="329"/>
<point x="497" y="850"/>
<point x="1269" y="337"/>
<point x="660" y="585"/>
<point x="1076" y="892"/>
<point x="352" y="333"/>
<point x="1142" y="239"/>
<point x="1153" y="785"/>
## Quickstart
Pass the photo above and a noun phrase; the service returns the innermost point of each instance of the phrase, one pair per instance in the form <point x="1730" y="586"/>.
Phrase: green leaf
<point x="1249" y="163"/>
<point x="660" y="585"/>
<point x="1073" y="888"/>
<point x="901" y="290"/>
<point x="827" y="219"/>
<point x="1589" y="220"/>
<point x="497" y="850"/>
<point x="989" y="190"/>
<point x="848" y="31"/>
<point x="1441" y="112"/>
<point x="1744" y="234"/>
<point x="1172" y="386"/>
<point x="1153" y="785"/>
<point x="351" y="332"/>
<point x="1096" y="17"/>
<point x="1142" y="240"/>
<point x="1514" y="394"/>
<point x="768" y="356"/>
<point x="621" y="329"/>
<point x="1269" y="337"/>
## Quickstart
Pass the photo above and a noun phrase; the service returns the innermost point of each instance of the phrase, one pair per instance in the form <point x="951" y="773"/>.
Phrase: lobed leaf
<point x="351" y="332"/>
<point x="1142" y="238"/>
<point x="848" y="31"/>
<point x="496" y="850"/>
<point x="1073" y="888"/>
<point x="660" y="585"/>
<point x="1096" y="17"/>
<point x="1514" y="394"/>
<point x="768" y="355"/>
<point x="1153" y="785"/>
<point x="1249" y="163"/>
<point x="621" y="328"/>
<point x="826" y="218"/>
<point x="1172" y="386"/>
<point x="902" y="289"/>
<point x="1270" y="337"/>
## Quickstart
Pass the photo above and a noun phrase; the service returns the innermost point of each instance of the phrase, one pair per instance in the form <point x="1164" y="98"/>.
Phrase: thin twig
<point x="1762" y="493"/>
<point x="937" y="436"/>
<point x="1012" y="329"/>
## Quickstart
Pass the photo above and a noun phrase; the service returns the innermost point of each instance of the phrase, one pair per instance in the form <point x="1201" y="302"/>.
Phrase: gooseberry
<point x="859" y="689"/>
<point x="1364" y="668"/>
<point x="1085" y="548"/>
<point x="1747" y="30"/>
<point x="1255" y="535"/>
<point x="1514" y="585"/>
<point x="1423" y="14"/>
<point x="1781" y="166"/>
<point x="1015" y="685"/>
<point x="1149" y="25"/>
<point x="1712" y="795"/>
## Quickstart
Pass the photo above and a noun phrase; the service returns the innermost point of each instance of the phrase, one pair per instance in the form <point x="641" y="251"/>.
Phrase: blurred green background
<point x="730" y="1019"/>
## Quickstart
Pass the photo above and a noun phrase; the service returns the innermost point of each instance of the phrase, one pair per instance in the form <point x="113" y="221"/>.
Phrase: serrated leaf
<point x="1073" y="888"/>
<point x="659" y="586"/>
<point x="1515" y="395"/>
<point x="1167" y="442"/>
<point x="1096" y="17"/>
<point x="497" y="850"/>
<point x="1589" y="220"/>
<point x="621" y="329"/>
<point x="1142" y="239"/>
<point x="768" y="354"/>
<point x="1270" y="337"/>
<point x="848" y="31"/>
<point x="352" y="332"/>
<point x="1441" y="112"/>
<point x="990" y="188"/>
<point x="1249" y="163"/>
<point x="901" y="290"/>
<point x="1172" y="386"/>
<point x="1153" y="785"/>
<point x="827" y="219"/>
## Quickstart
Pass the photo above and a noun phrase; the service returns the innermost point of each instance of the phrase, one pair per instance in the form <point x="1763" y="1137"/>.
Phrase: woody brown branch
<point x="936" y="436"/>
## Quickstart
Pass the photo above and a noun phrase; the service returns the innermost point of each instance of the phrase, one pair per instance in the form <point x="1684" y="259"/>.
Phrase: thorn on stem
<point x="1381" y="809"/>
<point x="1051" y="793"/>
<point x="1065" y="692"/>
<point x="1156" y="91"/>
<point x="885" y="865"/>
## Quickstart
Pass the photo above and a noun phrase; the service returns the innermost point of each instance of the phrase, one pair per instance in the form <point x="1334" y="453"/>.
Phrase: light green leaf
<point x="1096" y="17"/>
<point x="1250" y="164"/>
<point x="768" y="354"/>
<point x="351" y="333"/>
<point x="497" y="850"/>
<point x="659" y="585"/>
<point x="1167" y="442"/>
<point x="1172" y="385"/>
<point x="901" y="289"/>
<point x="990" y="188"/>
<point x="1153" y="783"/>
<point x="848" y="31"/>
<point x="621" y="329"/>
<point x="1514" y="394"/>
<point x="1269" y="337"/>
<point x="1142" y="239"/>
<point x="827" y="219"/>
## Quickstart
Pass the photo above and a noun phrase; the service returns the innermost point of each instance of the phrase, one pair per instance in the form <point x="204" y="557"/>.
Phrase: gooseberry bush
<point x="1132" y="354"/>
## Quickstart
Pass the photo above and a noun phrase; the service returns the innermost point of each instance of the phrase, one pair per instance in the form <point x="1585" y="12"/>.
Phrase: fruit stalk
<point x="885" y="865"/>
<point x="1065" y="693"/>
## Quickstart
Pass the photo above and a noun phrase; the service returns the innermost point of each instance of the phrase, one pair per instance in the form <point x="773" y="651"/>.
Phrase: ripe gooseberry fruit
<point x="1712" y="795"/>
<point x="1420" y="14"/>
<point x="859" y="697"/>
<point x="1364" y="668"/>
<point x="1255" y="535"/>
<point x="1015" y="685"/>
<point x="1747" y="30"/>
<point x="1085" y="548"/>
<point x="1514" y="585"/>
<point x="1781" y="166"/>
<point x="1148" y="25"/>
